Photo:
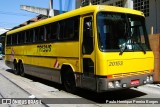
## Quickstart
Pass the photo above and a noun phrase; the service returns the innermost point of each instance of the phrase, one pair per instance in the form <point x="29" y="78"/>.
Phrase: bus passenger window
<point x="48" y="32"/>
<point x="76" y="28"/>
<point x="54" y="30"/>
<point x="9" y="40"/>
<point x="61" y="30"/>
<point x="21" y="38"/>
<point x="45" y="33"/>
<point x="69" y="29"/>
<point x="26" y="36"/>
<point x="41" y="34"/>
<point x="34" y="35"/>
<point x="14" y="39"/>
<point x="31" y="36"/>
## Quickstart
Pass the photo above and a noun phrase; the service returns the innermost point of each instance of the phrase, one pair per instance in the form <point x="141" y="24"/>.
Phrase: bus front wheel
<point x="68" y="80"/>
<point x="21" y="69"/>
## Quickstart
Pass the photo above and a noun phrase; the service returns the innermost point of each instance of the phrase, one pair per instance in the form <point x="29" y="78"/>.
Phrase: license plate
<point x="134" y="82"/>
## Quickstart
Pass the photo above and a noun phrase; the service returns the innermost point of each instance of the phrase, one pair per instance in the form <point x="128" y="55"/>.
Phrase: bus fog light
<point x="110" y="85"/>
<point x="151" y="78"/>
<point x="117" y="84"/>
<point x="144" y="82"/>
<point x="147" y="79"/>
<point x="124" y="85"/>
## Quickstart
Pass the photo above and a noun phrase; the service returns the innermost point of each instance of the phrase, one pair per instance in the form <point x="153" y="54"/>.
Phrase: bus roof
<point x="77" y="12"/>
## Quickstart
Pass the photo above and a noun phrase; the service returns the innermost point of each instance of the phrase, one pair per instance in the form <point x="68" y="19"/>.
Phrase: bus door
<point x="87" y="53"/>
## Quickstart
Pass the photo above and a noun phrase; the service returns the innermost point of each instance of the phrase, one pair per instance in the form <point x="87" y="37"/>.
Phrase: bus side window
<point x="76" y="28"/>
<point x="41" y="34"/>
<point x="69" y="29"/>
<point x="48" y="32"/>
<point x="31" y="36"/>
<point x="54" y="30"/>
<point x="45" y="33"/>
<point x="9" y="40"/>
<point x="72" y="28"/>
<point x="61" y="30"/>
<point x="28" y="36"/>
<point x="34" y="35"/>
<point x="14" y="39"/>
<point x="22" y="39"/>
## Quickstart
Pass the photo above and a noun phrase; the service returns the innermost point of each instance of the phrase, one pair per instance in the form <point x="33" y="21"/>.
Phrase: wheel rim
<point x="69" y="83"/>
<point x="15" y="69"/>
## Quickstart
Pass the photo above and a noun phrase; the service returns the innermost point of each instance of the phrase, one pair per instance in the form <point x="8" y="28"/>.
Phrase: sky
<point x="11" y="15"/>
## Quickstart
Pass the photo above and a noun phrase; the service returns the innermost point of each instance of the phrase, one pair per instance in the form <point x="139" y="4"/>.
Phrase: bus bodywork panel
<point x="130" y="62"/>
<point x="131" y="69"/>
<point x="44" y="60"/>
<point x="64" y="49"/>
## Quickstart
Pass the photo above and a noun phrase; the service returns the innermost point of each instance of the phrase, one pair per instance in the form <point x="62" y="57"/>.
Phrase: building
<point x="151" y="9"/>
<point x="36" y="19"/>
<point x="3" y="30"/>
<point x="2" y="40"/>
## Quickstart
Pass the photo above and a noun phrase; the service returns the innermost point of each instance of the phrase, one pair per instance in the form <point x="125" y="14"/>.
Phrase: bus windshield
<point x="122" y="32"/>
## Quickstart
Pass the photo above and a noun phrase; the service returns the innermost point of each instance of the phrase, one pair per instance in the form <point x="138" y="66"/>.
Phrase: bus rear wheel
<point x="21" y="69"/>
<point x="16" y="71"/>
<point x="68" y="80"/>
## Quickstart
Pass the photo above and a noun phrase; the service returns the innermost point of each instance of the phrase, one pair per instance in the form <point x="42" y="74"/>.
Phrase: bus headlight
<point x="144" y="82"/>
<point x="151" y="78"/>
<point x="124" y="85"/>
<point x="117" y="84"/>
<point x="110" y="85"/>
<point x="147" y="79"/>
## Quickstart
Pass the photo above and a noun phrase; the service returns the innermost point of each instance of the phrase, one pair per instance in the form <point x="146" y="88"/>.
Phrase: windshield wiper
<point x="128" y="33"/>
<point x="123" y="47"/>
<point x="140" y="45"/>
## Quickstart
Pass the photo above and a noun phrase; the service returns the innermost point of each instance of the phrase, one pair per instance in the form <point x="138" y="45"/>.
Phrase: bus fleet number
<point x="117" y="63"/>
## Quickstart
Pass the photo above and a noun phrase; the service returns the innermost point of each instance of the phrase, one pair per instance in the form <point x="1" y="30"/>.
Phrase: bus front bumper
<point x="105" y="84"/>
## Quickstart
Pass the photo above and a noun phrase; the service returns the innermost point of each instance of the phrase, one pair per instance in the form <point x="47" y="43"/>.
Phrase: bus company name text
<point x="44" y="48"/>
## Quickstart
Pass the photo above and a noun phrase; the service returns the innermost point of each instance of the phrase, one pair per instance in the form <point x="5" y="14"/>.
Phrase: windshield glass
<point x="122" y="32"/>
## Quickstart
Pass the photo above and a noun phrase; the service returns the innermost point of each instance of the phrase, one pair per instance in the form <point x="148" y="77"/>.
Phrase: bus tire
<point x="15" y="67"/>
<point x="68" y="80"/>
<point x="21" y="69"/>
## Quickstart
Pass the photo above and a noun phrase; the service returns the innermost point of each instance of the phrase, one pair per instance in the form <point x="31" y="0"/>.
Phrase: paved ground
<point x="13" y="86"/>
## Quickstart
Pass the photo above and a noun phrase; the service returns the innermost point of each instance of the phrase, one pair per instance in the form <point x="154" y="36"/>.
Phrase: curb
<point x="154" y="85"/>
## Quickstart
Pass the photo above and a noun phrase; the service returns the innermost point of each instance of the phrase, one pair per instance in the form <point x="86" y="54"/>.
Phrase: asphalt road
<point x="52" y="94"/>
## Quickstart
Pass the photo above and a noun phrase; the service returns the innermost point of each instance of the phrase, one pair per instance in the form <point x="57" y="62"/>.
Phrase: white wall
<point x="2" y="30"/>
<point x="129" y="3"/>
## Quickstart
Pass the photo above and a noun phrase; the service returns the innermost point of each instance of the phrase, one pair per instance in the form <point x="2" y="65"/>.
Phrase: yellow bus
<point x="100" y="48"/>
